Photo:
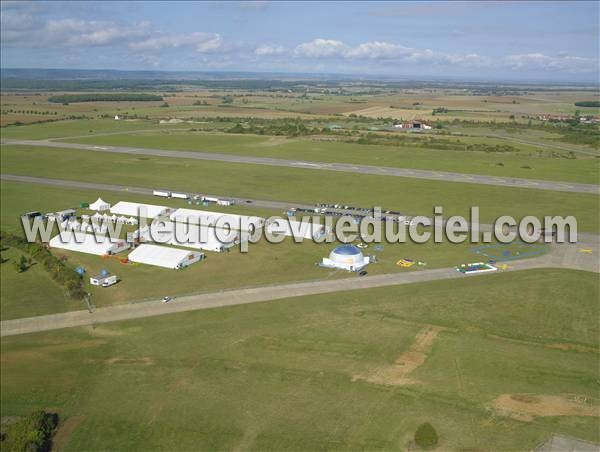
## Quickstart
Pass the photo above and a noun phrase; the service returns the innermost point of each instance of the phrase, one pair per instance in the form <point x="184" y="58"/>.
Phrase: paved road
<point x="341" y="167"/>
<point x="560" y="256"/>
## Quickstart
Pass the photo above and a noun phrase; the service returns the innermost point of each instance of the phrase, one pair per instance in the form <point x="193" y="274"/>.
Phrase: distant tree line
<point x="444" y="144"/>
<point x="104" y="97"/>
<point x="58" y="270"/>
<point x="29" y="112"/>
<point x="588" y="103"/>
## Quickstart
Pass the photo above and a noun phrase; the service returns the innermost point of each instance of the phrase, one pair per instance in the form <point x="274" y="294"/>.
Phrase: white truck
<point x="180" y="195"/>
<point x="162" y="193"/>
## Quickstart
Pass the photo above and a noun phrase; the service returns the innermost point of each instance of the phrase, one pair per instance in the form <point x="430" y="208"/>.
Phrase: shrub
<point x="30" y="433"/>
<point x="426" y="437"/>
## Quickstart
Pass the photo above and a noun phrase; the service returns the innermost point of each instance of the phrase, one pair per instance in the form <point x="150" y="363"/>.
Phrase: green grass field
<point x="529" y="162"/>
<point x="30" y="293"/>
<point x="81" y="127"/>
<point x="272" y="376"/>
<point x="411" y="196"/>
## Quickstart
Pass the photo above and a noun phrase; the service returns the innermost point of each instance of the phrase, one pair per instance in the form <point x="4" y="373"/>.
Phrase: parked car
<point x="166" y="299"/>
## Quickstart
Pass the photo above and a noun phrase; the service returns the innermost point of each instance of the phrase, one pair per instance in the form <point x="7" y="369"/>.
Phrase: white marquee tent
<point x="88" y="243"/>
<point x="192" y="236"/>
<point x="164" y="256"/>
<point x="134" y="209"/>
<point x="207" y="218"/>
<point x="99" y="204"/>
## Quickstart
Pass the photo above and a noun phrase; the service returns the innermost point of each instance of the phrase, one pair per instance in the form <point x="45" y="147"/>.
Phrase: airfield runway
<point x="341" y="167"/>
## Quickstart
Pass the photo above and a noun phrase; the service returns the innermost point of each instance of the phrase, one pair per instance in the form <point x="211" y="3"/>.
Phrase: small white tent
<point x="100" y="204"/>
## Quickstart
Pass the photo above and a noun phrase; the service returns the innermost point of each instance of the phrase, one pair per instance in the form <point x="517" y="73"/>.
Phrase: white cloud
<point x="202" y="42"/>
<point x="210" y="45"/>
<point x="265" y="50"/>
<point x="378" y="50"/>
<point x="27" y="32"/>
<point x="321" y="48"/>
<point x="385" y="52"/>
<point x="561" y="62"/>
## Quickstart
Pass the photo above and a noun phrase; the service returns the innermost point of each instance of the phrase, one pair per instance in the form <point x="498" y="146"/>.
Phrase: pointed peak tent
<point x="100" y="204"/>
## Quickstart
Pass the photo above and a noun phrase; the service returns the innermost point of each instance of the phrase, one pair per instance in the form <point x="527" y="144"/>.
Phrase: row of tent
<point x="108" y="218"/>
<point x="99" y="205"/>
<point x="95" y="222"/>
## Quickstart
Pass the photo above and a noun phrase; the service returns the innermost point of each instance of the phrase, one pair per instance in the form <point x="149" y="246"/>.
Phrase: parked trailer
<point x="180" y="195"/>
<point x="225" y="202"/>
<point x="210" y="199"/>
<point x="162" y="193"/>
<point x="104" y="281"/>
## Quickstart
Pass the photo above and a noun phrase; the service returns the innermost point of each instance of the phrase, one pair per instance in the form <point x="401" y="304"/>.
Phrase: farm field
<point x="264" y="264"/>
<point x="396" y="103"/>
<point x="406" y="195"/>
<point x="490" y="353"/>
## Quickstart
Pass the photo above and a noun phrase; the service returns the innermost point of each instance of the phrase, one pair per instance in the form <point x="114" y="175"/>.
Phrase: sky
<point x="521" y="40"/>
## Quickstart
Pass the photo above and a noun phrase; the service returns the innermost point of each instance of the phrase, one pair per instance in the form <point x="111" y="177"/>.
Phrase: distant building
<point x="554" y="117"/>
<point x="414" y="124"/>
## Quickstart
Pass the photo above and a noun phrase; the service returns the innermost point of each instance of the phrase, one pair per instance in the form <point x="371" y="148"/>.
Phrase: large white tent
<point x="88" y="243"/>
<point x="99" y="204"/>
<point x="164" y="256"/>
<point x="134" y="209"/>
<point x="226" y="220"/>
<point x="293" y="228"/>
<point x="192" y="236"/>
